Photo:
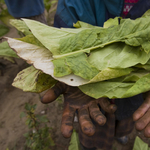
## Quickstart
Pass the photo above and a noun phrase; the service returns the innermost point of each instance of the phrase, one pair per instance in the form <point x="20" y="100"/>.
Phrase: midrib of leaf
<point x="125" y="37"/>
<point x="84" y="50"/>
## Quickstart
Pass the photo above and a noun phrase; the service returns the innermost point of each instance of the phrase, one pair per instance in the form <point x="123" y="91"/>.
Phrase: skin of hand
<point x="86" y="106"/>
<point x="142" y="117"/>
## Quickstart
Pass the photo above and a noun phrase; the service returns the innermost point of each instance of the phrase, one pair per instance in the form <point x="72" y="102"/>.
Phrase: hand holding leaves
<point x="142" y="117"/>
<point x="87" y="107"/>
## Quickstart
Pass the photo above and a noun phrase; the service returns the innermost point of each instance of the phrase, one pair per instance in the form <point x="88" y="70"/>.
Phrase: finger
<point x="96" y="114"/>
<point x="147" y="131"/>
<point x="87" y="126"/>
<point x="141" y="110"/>
<point x="49" y="96"/>
<point x="53" y="93"/>
<point x="143" y="121"/>
<point x="107" y="106"/>
<point x="67" y="121"/>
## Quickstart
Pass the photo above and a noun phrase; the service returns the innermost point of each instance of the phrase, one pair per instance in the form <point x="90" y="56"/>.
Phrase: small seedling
<point x="38" y="138"/>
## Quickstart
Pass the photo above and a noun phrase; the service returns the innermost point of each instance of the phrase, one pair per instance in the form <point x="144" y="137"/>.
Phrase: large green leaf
<point x="5" y="50"/>
<point x="108" y="89"/>
<point x="33" y="80"/>
<point x="118" y="88"/>
<point x="132" y="32"/>
<point x="48" y="36"/>
<point x="117" y="55"/>
<point x="74" y="143"/>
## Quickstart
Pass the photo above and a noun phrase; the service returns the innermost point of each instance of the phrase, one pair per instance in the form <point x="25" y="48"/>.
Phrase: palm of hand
<point x="76" y="101"/>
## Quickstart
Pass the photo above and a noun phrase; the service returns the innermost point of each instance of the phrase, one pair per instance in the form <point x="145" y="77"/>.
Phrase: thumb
<point x="53" y="93"/>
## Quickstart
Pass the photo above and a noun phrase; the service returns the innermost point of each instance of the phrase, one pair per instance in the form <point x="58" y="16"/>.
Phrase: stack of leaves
<point x="111" y="61"/>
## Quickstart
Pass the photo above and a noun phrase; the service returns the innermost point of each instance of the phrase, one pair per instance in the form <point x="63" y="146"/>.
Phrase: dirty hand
<point x="142" y="117"/>
<point x="86" y="106"/>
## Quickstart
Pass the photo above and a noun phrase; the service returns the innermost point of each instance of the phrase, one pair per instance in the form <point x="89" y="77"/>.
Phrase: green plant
<point x="49" y="3"/>
<point x="50" y="7"/>
<point x="5" y="51"/>
<point x="4" y="16"/>
<point x="38" y="138"/>
<point x="2" y="6"/>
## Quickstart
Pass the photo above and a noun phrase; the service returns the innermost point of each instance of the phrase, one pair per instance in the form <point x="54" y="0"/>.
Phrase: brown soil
<point x="12" y="101"/>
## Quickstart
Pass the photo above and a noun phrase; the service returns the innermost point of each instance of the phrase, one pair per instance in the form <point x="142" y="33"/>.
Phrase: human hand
<point x="142" y="117"/>
<point x="87" y="107"/>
